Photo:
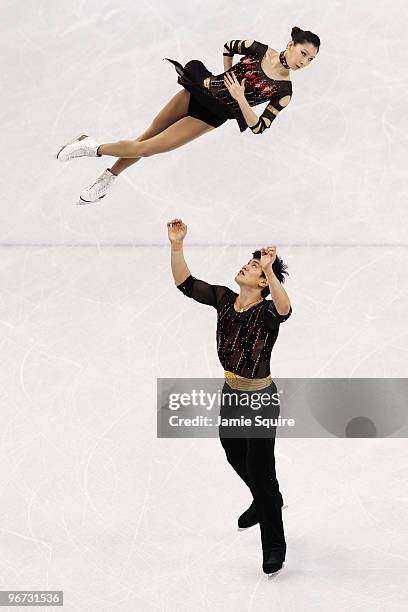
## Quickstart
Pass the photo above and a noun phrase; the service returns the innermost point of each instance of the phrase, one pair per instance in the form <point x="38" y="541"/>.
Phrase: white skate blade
<point x="68" y="143"/>
<point x="245" y="528"/>
<point x="272" y="576"/>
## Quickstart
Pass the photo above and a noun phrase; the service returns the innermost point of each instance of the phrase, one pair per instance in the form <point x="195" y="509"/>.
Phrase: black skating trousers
<point x="253" y="459"/>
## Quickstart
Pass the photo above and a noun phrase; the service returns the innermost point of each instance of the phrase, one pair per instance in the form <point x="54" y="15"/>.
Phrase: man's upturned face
<point x="250" y="275"/>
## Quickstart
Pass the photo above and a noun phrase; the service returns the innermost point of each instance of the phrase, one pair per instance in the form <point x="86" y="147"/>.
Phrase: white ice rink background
<point x="92" y="502"/>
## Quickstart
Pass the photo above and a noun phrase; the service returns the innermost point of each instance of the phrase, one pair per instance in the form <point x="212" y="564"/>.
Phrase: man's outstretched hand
<point x="177" y="230"/>
<point x="268" y="256"/>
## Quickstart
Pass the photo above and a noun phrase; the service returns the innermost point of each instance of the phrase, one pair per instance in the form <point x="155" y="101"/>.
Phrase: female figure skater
<point x="205" y="103"/>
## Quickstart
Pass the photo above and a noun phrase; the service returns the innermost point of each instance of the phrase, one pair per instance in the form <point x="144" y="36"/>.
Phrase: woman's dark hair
<point x="278" y="267"/>
<point x="300" y="36"/>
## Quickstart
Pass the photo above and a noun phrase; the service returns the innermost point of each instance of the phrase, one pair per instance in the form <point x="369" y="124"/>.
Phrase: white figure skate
<point x="79" y="147"/>
<point x="98" y="189"/>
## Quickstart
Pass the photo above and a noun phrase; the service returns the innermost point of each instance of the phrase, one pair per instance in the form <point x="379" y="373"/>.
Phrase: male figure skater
<point x="247" y="328"/>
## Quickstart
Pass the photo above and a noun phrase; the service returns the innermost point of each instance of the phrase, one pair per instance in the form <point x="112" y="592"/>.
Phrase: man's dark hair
<point x="279" y="268"/>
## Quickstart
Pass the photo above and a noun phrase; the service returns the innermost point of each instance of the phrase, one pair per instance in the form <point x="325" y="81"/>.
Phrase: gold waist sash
<point x="246" y="384"/>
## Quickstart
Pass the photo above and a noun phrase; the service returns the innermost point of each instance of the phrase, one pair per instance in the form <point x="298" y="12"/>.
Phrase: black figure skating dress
<point x="210" y="99"/>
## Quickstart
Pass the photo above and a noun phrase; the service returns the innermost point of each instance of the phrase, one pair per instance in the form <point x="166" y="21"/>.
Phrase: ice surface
<point x="91" y="501"/>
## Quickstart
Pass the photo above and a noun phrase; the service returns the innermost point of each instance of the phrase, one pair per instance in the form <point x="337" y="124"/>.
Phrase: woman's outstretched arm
<point x="232" y="47"/>
<point x="270" y="113"/>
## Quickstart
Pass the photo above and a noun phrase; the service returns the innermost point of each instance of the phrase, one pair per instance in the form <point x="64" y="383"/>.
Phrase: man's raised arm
<point x="192" y="287"/>
<point x="177" y="231"/>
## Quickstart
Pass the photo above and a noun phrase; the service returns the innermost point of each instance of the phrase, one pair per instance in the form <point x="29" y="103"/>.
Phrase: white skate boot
<point x="98" y="189"/>
<point x="79" y="147"/>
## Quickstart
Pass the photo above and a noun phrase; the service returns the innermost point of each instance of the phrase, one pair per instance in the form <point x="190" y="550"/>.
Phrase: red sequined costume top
<point x="259" y="87"/>
<point x="244" y="339"/>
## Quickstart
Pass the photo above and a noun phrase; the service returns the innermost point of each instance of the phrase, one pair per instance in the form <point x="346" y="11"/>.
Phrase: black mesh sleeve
<point x="244" y="47"/>
<point x="272" y="318"/>
<point x="203" y="292"/>
<point x="270" y="113"/>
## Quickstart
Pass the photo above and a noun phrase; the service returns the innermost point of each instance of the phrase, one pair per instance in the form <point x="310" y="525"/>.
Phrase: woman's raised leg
<point x="170" y="129"/>
<point x="181" y="132"/>
<point x="174" y="110"/>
